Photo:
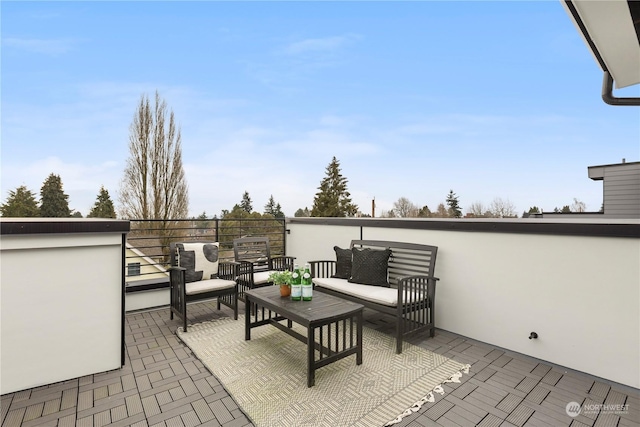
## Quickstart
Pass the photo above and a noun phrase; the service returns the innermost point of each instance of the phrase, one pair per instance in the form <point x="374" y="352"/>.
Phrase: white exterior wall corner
<point x="61" y="307"/>
<point x="580" y="294"/>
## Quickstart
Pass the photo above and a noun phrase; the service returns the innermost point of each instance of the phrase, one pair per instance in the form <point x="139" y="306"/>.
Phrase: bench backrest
<point x="252" y="249"/>
<point x="407" y="259"/>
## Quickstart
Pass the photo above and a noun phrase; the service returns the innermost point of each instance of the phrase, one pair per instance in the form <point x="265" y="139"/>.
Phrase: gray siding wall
<point x="622" y="191"/>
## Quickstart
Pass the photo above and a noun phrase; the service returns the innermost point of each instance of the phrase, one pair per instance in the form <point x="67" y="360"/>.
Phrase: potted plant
<point x="282" y="279"/>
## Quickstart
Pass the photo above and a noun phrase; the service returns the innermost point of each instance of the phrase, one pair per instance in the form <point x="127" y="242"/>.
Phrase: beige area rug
<point x="267" y="377"/>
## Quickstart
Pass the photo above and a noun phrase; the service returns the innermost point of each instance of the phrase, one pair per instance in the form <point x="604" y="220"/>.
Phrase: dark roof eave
<point x="13" y="226"/>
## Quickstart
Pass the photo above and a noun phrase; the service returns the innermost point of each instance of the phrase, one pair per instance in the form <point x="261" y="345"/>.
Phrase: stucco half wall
<point x="577" y="284"/>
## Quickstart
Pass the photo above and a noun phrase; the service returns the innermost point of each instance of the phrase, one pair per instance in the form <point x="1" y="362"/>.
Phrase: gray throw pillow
<point x="370" y="266"/>
<point x="343" y="263"/>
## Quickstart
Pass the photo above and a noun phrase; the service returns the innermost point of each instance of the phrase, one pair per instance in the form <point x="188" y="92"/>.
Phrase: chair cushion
<point x="377" y="294"/>
<point x="261" y="277"/>
<point x="343" y="263"/>
<point x="370" y="266"/>
<point x="202" y="286"/>
<point x="200" y="260"/>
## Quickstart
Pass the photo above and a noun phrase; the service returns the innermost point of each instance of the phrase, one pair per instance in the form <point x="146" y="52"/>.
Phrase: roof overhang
<point x="611" y="30"/>
<point x="596" y="173"/>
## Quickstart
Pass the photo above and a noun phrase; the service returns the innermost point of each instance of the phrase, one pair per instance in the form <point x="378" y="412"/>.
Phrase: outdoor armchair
<point x="255" y="263"/>
<point x="196" y="274"/>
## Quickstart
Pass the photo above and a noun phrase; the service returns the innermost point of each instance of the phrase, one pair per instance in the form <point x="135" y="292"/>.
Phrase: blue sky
<point x="488" y="99"/>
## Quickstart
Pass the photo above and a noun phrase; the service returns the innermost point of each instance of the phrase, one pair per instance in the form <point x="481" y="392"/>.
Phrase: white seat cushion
<point x="208" y="285"/>
<point x="378" y="294"/>
<point x="261" y="277"/>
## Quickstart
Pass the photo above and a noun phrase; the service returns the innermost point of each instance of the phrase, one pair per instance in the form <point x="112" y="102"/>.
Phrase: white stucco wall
<point x="61" y="307"/>
<point x="580" y="294"/>
<point x="147" y="299"/>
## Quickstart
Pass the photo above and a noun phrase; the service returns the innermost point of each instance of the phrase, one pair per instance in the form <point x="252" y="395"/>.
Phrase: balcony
<point x="576" y="283"/>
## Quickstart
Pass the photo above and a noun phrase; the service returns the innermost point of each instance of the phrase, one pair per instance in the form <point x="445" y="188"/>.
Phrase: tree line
<point x="332" y="199"/>
<point x="53" y="203"/>
<point x="404" y="208"/>
<point x="154" y="186"/>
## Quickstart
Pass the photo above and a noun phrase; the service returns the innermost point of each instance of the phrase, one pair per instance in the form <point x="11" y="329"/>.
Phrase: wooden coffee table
<point x="334" y="325"/>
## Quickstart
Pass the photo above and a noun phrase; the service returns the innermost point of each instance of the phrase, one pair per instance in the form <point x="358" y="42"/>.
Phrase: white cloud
<point x="51" y="47"/>
<point x="285" y="68"/>
<point x="322" y="44"/>
<point x="227" y="151"/>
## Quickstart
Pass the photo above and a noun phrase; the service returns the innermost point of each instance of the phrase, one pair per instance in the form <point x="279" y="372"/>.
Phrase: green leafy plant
<point x="281" y="277"/>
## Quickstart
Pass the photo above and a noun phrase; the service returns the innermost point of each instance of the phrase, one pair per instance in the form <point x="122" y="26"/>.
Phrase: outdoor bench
<point x="395" y="278"/>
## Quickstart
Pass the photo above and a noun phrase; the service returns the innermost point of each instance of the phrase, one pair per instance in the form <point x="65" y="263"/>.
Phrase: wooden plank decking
<point x="163" y="384"/>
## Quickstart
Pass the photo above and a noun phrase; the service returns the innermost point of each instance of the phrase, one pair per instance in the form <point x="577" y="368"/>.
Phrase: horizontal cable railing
<point x="147" y="255"/>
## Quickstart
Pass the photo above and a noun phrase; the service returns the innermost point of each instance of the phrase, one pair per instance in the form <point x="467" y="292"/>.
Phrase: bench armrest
<point x="411" y="286"/>
<point x="323" y="268"/>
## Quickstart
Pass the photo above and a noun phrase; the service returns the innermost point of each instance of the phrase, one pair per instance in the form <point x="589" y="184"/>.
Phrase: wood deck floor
<point x="163" y="384"/>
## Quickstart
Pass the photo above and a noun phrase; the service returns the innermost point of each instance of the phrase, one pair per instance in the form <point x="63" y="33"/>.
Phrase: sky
<point x="415" y="99"/>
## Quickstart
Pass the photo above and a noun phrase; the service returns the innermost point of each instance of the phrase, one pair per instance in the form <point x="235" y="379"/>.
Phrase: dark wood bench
<point x="410" y="296"/>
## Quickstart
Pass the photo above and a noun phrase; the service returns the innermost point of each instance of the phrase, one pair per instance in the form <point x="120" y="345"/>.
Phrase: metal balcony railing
<point x="147" y="255"/>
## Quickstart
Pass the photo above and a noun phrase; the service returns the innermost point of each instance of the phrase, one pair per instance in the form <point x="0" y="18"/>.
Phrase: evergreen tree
<point x="333" y="198"/>
<point x="424" y="212"/>
<point x="103" y="208"/>
<point x="21" y="203"/>
<point x="53" y="202"/>
<point x="533" y="210"/>
<point x="273" y="208"/>
<point x="301" y="213"/>
<point x="454" y="205"/>
<point x="565" y="209"/>
<point x="270" y="207"/>
<point x="202" y="222"/>
<point x="246" y="205"/>
<point x="235" y="225"/>
<point x="278" y="212"/>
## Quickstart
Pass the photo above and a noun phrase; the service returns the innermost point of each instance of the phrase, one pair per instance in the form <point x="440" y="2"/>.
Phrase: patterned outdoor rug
<point x="267" y="376"/>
